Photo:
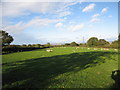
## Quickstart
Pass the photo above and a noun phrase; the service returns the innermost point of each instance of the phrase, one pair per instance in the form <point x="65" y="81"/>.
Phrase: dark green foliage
<point x="114" y="44"/>
<point x="33" y="45"/>
<point x="81" y="44"/>
<point x="119" y="37"/>
<point x="102" y="42"/>
<point x="119" y="41"/>
<point x="73" y="44"/>
<point x="6" y="38"/>
<point x="29" y="45"/>
<point x="24" y="45"/>
<point x="116" y="77"/>
<point x="38" y="45"/>
<point x="16" y="48"/>
<point x="67" y="44"/>
<point x="93" y="41"/>
<point x="20" y="48"/>
<point x="47" y="45"/>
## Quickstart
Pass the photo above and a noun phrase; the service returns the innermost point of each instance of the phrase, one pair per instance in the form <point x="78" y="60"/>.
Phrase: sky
<point x="59" y="22"/>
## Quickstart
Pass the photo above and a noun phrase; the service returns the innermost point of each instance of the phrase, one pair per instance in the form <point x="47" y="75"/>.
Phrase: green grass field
<point x="68" y="67"/>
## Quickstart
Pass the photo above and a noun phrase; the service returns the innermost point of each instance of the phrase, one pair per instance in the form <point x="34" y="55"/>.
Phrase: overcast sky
<point x="60" y="22"/>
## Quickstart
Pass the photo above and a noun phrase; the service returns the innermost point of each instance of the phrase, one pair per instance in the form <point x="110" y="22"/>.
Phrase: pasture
<point x="64" y="67"/>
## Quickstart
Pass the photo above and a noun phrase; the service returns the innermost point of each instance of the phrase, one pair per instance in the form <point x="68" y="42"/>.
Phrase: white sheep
<point x="106" y="49"/>
<point x="88" y="48"/>
<point x="95" y="49"/>
<point x="115" y="49"/>
<point x="49" y="50"/>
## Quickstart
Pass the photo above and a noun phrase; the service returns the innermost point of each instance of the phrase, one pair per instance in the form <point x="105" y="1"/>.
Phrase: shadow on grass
<point x="37" y="73"/>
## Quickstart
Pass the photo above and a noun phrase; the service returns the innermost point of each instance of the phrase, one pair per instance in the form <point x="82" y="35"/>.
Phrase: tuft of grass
<point x="63" y="68"/>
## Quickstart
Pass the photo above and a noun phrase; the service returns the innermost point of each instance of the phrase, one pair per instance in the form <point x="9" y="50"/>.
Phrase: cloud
<point x="42" y="0"/>
<point x="15" y="28"/>
<point x="71" y="27"/>
<point x="88" y="8"/>
<point x="94" y="20"/>
<point x="76" y="27"/>
<point x="17" y="9"/>
<point x="36" y="22"/>
<point x="65" y="13"/>
<point x="81" y="1"/>
<point x="104" y="10"/>
<point x="58" y="25"/>
<point x="95" y="15"/>
<point x="58" y="40"/>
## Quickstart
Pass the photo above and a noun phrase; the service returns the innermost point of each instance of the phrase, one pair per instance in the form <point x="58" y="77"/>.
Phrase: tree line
<point x="95" y="42"/>
<point x="91" y="42"/>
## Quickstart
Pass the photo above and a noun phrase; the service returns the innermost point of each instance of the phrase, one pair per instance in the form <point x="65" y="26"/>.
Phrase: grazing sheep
<point x="88" y="48"/>
<point x="115" y="49"/>
<point x="95" y="49"/>
<point x="49" y="50"/>
<point x="106" y="49"/>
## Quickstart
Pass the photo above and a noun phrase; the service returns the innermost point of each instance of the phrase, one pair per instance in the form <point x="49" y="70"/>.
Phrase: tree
<point x="115" y="44"/>
<point x="119" y="37"/>
<point x="81" y="44"/>
<point x="29" y="45"/>
<point x="73" y="44"/>
<point x="6" y="38"/>
<point x="47" y="45"/>
<point x="93" y="41"/>
<point x="38" y="45"/>
<point x="119" y="40"/>
<point x="24" y="45"/>
<point x="102" y="42"/>
<point x="67" y="44"/>
<point x="33" y="45"/>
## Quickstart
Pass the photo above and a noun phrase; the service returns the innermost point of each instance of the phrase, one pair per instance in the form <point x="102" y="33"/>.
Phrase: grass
<point x="63" y="68"/>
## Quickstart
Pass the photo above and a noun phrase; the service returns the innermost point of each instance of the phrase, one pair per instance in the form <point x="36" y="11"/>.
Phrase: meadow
<point x="64" y="67"/>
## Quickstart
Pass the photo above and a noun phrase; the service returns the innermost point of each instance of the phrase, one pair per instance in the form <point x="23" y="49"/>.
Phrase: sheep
<point x="95" y="49"/>
<point x="106" y="49"/>
<point x="88" y="48"/>
<point x="115" y="49"/>
<point x="49" y="50"/>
